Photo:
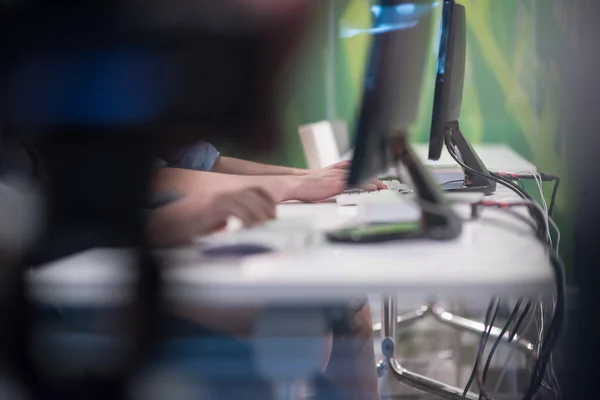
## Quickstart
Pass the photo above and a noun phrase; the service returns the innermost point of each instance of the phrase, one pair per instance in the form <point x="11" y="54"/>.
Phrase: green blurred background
<point x="511" y="93"/>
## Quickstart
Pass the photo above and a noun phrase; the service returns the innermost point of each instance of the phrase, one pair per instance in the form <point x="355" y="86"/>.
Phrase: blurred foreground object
<point x="20" y="213"/>
<point x="192" y="69"/>
<point x="97" y="87"/>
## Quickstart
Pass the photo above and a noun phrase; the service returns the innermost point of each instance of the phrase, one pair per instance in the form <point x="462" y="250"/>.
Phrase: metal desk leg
<point x="462" y="324"/>
<point x="467" y="325"/>
<point x="392" y="365"/>
<point x="406" y="319"/>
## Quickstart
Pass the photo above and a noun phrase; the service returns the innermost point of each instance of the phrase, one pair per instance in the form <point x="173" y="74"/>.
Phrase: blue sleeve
<point x="200" y="157"/>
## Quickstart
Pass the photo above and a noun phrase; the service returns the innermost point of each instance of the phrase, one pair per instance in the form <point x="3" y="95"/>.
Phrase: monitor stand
<point x="438" y="219"/>
<point x="472" y="182"/>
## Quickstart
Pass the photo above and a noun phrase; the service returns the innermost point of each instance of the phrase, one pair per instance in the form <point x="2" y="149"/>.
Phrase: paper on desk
<point x="279" y="234"/>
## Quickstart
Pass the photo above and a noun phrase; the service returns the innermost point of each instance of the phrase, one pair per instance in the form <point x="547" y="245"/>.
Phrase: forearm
<point x="234" y="166"/>
<point x="198" y="183"/>
<point x="176" y="223"/>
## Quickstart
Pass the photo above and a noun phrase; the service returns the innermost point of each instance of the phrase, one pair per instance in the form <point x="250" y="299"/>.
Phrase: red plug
<point x="491" y="203"/>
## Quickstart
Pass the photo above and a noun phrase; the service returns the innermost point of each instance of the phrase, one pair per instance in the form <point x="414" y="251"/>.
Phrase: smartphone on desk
<point x="376" y="233"/>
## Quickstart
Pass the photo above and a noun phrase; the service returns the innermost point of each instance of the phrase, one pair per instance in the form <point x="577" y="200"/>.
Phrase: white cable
<point x="557" y="246"/>
<point x="553" y="386"/>
<point x="553" y="376"/>
<point x="541" y="326"/>
<point x="549" y="220"/>
<point x="539" y="182"/>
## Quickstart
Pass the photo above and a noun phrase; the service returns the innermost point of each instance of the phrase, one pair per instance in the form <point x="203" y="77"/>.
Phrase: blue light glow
<point x="350" y="32"/>
<point x="391" y="18"/>
<point x="406" y="9"/>
<point x="443" y="45"/>
<point x="376" y="10"/>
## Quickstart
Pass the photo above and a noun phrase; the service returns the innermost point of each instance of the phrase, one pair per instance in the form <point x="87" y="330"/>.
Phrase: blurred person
<point x="181" y="219"/>
<point x="113" y="187"/>
<point x="348" y="360"/>
<point x="282" y="183"/>
<point x="214" y="188"/>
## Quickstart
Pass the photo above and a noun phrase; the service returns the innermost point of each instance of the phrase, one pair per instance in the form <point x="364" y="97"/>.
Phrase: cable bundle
<point x="492" y="311"/>
<point x="542" y="219"/>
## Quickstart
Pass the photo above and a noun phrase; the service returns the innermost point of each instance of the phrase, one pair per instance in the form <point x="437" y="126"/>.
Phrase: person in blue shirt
<point x="204" y="179"/>
<point x="212" y="189"/>
<point x="282" y="183"/>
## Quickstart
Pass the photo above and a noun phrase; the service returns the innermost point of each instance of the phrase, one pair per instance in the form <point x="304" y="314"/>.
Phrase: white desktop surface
<point x="497" y="157"/>
<point x="489" y="258"/>
<point x="495" y="255"/>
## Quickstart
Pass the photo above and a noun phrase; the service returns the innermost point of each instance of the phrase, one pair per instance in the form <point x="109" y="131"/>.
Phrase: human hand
<point x="343" y="165"/>
<point x="322" y="184"/>
<point x="180" y="222"/>
<point x="373" y="184"/>
<point x="252" y="206"/>
<point x="317" y="185"/>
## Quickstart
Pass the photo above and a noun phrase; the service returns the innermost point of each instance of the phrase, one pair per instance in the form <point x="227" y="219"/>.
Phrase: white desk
<point x="495" y="255"/>
<point x="473" y="266"/>
<point x="496" y="156"/>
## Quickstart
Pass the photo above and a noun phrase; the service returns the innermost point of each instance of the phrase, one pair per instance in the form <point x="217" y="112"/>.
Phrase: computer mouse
<point x="237" y="250"/>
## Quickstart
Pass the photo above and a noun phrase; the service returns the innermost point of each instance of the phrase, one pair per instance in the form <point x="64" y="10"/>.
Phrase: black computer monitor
<point x="392" y="84"/>
<point x="402" y="31"/>
<point x="447" y="103"/>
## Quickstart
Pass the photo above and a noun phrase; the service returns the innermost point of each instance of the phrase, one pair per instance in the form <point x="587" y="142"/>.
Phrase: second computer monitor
<point x="450" y="77"/>
<point x="447" y="104"/>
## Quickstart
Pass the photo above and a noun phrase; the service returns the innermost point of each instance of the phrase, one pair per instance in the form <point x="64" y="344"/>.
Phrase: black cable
<point x="553" y="331"/>
<point x="545" y="178"/>
<point x="511" y="185"/>
<point x="553" y="197"/>
<point x="489" y="324"/>
<point x="483" y="340"/>
<point x="494" y="177"/>
<point x="452" y="181"/>
<point x="498" y="179"/>
<point x="559" y="314"/>
<point x="521" y="185"/>
<point x="538" y="225"/>
<point x="556" y="324"/>
<point x="512" y="335"/>
<point x="511" y="318"/>
<point x="519" y="322"/>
